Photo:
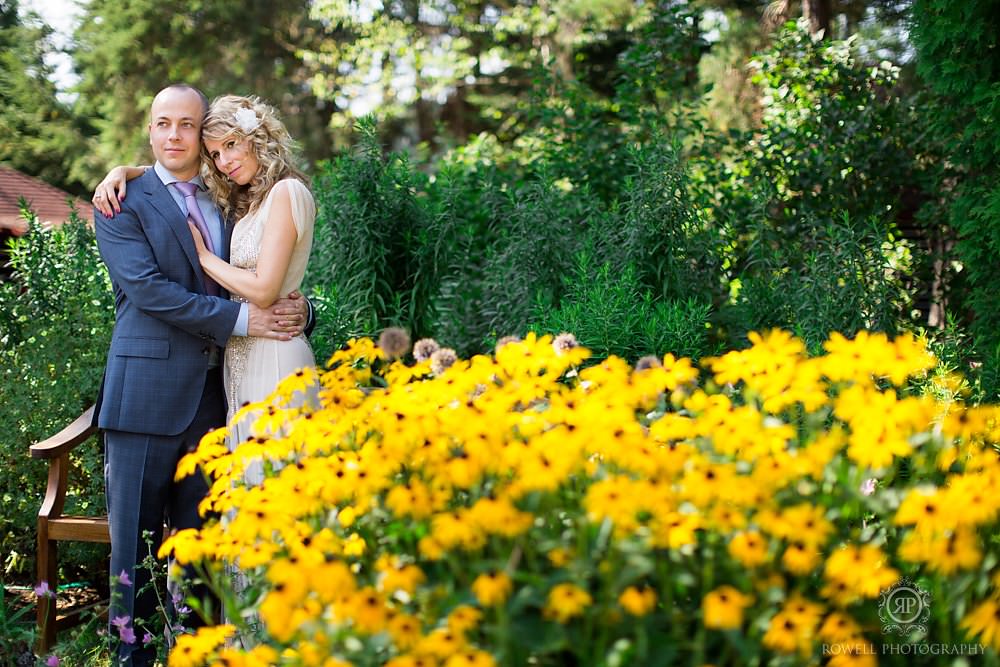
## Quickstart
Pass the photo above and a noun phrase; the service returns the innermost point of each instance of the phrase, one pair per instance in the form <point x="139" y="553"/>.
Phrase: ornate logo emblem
<point x="904" y="607"/>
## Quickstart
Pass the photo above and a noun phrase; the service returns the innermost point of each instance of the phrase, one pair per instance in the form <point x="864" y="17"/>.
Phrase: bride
<point x="247" y="168"/>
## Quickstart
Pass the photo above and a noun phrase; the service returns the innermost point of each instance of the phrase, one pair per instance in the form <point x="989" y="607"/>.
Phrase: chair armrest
<point x="66" y="439"/>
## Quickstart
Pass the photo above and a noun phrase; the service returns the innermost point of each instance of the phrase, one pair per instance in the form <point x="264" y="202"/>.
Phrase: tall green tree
<point x="39" y="134"/>
<point x="958" y="56"/>
<point x="127" y="51"/>
<point x="439" y="72"/>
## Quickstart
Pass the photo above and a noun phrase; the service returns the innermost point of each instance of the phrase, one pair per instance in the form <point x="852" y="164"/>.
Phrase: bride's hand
<point x="111" y="191"/>
<point x="199" y="241"/>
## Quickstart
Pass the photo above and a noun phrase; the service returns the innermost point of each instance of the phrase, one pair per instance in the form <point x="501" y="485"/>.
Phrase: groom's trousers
<point x="142" y="495"/>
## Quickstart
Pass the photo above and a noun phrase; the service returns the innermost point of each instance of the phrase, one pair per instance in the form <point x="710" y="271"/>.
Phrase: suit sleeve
<point x="133" y="267"/>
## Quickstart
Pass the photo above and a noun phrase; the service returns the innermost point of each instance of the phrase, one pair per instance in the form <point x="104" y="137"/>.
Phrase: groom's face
<point x="175" y="131"/>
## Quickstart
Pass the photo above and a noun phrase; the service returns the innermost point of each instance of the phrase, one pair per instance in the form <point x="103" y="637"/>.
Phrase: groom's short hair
<point x="197" y="91"/>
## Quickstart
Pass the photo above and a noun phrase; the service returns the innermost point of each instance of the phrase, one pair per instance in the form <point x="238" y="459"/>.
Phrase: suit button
<point x="204" y="351"/>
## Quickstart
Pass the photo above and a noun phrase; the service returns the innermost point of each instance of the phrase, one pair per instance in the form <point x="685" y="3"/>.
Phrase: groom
<point x="162" y="386"/>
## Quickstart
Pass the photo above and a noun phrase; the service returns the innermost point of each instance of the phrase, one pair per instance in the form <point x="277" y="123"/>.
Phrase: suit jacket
<point x="165" y="324"/>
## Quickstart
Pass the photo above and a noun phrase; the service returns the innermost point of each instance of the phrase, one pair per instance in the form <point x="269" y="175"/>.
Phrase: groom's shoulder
<point x="141" y="190"/>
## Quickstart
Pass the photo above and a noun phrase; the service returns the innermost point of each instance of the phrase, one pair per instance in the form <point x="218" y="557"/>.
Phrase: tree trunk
<point x="817" y="13"/>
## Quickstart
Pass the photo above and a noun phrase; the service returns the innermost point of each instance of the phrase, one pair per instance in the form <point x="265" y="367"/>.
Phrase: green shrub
<point x="368" y="222"/>
<point x="839" y="275"/>
<point x="610" y="311"/>
<point x="56" y="317"/>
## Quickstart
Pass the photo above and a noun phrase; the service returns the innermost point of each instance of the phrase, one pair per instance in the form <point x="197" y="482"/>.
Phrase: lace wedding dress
<point x="254" y="366"/>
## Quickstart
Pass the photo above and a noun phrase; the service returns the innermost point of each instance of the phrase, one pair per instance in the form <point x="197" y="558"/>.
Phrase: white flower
<point x="246" y="120"/>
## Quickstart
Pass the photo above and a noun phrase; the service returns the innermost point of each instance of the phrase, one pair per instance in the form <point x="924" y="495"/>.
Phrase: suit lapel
<point x="164" y="203"/>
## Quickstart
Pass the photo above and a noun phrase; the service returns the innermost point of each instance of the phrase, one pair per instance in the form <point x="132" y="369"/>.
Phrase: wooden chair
<point x="54" y="526"/>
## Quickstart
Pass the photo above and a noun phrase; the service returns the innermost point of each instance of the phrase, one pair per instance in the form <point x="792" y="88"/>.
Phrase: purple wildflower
<point x="52" y="661"/>
<point x="147" y="638"/>
<point x="42" y="590"/>
<point x="124" y="579"/>
<point x="127" y="634"/>
<point x="868" y="486"/>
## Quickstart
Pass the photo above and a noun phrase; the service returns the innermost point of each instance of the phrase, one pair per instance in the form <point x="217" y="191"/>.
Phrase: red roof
<point x="47" y="201"/>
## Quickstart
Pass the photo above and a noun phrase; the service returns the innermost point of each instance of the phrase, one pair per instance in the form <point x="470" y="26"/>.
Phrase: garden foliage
<point x="627" y="208"/>
<point x="55" y="326"/>
<point x="959" y="61"/>
<point x="520" y="508"/>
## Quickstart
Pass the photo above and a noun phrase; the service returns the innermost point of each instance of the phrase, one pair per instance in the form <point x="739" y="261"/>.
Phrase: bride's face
<point x="233" y="158"/>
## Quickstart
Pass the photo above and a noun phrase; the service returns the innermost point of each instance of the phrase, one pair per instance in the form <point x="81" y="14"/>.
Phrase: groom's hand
<point x="282" y="320"/>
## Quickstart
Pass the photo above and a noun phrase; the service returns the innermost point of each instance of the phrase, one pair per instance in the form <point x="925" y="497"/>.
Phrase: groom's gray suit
<point x="160" y="391"/>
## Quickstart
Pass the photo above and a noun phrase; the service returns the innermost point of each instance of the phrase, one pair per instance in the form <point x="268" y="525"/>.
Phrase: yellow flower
<point x="559" y="556"/>
<point x="854" y="572"/>
<point x="838" y="627"/>
<point x="367" y="609"/>
<point x="946" y="552"/>
<point x="441" y="643"/>
<point x="722" y="608"/>
<point x="471" y="658"/>
<point x="923" y="508"/>
<point x="354" y="545"/>
<point x="464" y="618"/>
<point x="749" y="548"/>
<point x="192" y="650"/>
<point x="395" y="576"/>
<point x="638" y="601"/>
<point x="793" y="628"/>
<point x="984" y="622"/>
<point x="805" y="524"/>
<point x="800" y="559"/>
<point x="492" y="588"/>
<point x="412" y="661"/>
<point x="565" y="602"/>
<point x="404" y="630"/>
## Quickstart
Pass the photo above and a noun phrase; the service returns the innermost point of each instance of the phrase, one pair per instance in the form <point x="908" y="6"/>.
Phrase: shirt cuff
<point x="242" y="321"/>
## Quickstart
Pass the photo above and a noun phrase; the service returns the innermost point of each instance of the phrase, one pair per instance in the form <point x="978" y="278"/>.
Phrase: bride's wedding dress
<point x="254" y="366"/>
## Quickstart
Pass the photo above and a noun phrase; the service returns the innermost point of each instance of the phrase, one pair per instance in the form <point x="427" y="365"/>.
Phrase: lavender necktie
<point x="194" y="215"/>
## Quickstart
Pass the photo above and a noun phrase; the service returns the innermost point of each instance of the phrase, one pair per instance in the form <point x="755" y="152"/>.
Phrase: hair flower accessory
<point x="246" y="120"/>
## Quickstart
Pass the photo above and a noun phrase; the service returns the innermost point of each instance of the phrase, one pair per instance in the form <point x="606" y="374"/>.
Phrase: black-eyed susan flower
<point x="839" y="627"/>
<point x="984" y="622"/>
<point x="492" y="588"/>
<point x="749" y="548"/>
<point x="565" y="602"/>
<point x="722" y="608"/>
<point x="470" y="657"/>
<point x="193" y="650"/>
<point x="463" y="618"/>
<point x="638" y="600"/>
<point x="404" y="630"/>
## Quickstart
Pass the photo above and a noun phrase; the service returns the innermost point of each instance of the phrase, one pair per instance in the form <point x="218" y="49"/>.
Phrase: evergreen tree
<point x="38" y="133"/>
<point x="959" y="58"/>
<point x="127" y="51"/>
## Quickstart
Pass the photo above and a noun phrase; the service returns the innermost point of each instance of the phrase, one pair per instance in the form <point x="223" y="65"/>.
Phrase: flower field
<point x="536" y="508"/>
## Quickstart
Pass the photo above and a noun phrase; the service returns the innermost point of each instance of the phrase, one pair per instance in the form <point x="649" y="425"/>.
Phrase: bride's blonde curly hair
<point x="239" y="118"/>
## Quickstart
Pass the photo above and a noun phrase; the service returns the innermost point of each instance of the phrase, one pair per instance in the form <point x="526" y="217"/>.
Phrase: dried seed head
<point x="649" y="361"/>
<point x="564" y="342"/>
<point x="506" y="339"/>
<point x="424" y="348"/>
<point x="394" y="342"/>
<point x="442" y="359"/>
